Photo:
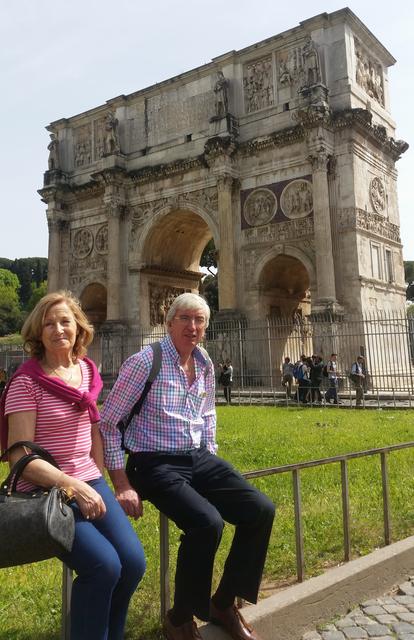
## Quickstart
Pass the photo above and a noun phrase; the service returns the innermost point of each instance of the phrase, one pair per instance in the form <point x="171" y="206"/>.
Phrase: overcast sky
<point x="61" y="57"/>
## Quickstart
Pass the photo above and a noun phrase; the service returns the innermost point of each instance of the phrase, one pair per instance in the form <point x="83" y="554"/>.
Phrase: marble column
<point x="226" y="271"/>
<point x="325" y="270"/>
<point x="54" y="251"/>
<point x="114" y="211"/>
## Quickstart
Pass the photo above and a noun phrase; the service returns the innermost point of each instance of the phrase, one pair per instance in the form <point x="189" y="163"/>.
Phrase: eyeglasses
<point x="199" y="321"/>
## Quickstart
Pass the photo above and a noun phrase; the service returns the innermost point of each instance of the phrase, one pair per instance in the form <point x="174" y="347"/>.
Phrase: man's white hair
<point x="188" y="301"/>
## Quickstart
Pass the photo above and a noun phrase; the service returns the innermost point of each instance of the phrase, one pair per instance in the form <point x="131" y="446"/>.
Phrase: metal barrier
<point x="295" y="470"/>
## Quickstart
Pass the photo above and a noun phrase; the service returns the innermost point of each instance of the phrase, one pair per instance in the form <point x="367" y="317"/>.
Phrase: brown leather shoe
<point x="233" y="622"/>
<point x="186" y="631"/>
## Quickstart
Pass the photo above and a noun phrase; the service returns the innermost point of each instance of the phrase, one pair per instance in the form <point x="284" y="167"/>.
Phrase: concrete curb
<point x="289" y="614"/>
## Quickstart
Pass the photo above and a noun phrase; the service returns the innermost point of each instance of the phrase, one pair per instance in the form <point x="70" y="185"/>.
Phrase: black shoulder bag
<point x="36" y="525"/>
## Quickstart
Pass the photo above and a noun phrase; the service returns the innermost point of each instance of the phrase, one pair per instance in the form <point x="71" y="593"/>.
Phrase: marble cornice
<point x="282" y="138"/>
<point x="161" y="171"/>
<point x="161" y="270"/>
<point x="361" y="119"/>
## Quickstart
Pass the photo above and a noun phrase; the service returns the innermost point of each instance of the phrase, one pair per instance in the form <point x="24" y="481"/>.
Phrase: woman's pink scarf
<point x="84" y="400"/>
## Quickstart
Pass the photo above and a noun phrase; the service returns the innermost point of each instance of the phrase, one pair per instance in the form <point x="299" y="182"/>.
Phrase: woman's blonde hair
<point x="33" y="326"/>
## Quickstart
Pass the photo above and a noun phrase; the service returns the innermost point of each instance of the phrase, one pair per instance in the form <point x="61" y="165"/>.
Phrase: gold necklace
<point x="59" y="375"/>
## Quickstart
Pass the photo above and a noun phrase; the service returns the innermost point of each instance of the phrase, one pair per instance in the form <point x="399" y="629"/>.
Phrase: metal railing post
<point x="164" y="566"/>
<point x="345" y="509"/>
<point x="300" y="562"/>
<point x="67" y="579"/>
<point x="385" y="498"/>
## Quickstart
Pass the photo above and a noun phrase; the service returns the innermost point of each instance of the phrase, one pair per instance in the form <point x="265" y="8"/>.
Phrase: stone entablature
<point x="373" y="223"/>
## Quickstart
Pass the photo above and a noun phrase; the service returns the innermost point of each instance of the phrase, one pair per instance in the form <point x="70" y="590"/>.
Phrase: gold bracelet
<point x="69" y="493"/>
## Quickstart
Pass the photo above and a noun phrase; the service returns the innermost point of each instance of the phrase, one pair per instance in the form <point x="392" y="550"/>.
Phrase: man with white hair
<point x="173" y="464"/>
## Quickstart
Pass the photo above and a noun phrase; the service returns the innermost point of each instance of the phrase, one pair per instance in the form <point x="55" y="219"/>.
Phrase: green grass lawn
<point x="257" y="438"/>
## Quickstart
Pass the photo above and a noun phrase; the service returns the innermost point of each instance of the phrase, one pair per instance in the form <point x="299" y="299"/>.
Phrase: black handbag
<point x="37" y="525"/>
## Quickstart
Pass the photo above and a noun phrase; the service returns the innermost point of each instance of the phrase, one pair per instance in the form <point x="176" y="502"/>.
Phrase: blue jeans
<point x="332" y="392"/>
<point x="109" y="562"/>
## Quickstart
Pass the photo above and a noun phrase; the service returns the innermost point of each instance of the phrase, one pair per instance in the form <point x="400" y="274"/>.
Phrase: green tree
<point x="28" y="270"/>
<point x="37" y="293"/>
<point x="209" y="284"/>
<point x="10" y="311"/>
<point x="409" y="278"/>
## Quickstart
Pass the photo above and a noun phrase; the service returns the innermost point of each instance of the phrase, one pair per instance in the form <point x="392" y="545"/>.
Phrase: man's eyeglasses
<point x="199" y="321"/>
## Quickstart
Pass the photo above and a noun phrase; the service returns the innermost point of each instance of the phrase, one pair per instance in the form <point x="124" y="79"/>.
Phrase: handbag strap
<point x="37" y="453"/>
<point x="35" y="448"/>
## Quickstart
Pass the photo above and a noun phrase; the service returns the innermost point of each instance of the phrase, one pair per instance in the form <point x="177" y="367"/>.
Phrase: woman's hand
<point x="88" y="500"/>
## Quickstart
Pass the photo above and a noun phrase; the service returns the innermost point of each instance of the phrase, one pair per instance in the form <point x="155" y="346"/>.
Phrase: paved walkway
<point x="388" y="618"/>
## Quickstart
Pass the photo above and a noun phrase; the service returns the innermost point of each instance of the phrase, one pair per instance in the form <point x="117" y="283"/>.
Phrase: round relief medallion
<point x="82" y="243"/>
<point x="101" y="240"/>
<point x="297" y="199"/>
<point x="377" y="194"/>
<point x="260" y="207"/>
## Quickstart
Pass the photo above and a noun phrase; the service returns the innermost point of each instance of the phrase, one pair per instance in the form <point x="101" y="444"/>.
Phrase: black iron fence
<point x="257" y="348"/>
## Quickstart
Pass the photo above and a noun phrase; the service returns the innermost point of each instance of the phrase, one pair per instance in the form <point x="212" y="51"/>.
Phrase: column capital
<point x="225" y="182"/>
<point x="114" y="209"/>
<point x="319" y="160"/>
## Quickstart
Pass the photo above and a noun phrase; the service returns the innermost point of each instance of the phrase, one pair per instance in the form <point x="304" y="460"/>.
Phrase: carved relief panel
<point x="298" y="67"/>
<point x="258" y="84"/>
<point x="160" y="300"/>
<point x="83" y="145"/>
<point x="377" y="195"/>
<point x="276" y="203"/>
<point x="368" y="74"/>
<point x="89" y="246"/>
<point x="296" y="199"/>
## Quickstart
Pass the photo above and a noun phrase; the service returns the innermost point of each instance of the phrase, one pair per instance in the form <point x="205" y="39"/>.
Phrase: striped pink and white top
<point x="61" y="428"/>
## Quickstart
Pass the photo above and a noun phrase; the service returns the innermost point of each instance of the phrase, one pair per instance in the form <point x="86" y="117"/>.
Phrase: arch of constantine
<point x="283" y="153"/>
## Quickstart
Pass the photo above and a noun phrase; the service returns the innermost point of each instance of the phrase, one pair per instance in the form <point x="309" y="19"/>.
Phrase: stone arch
<point x="285" y="278"/>
<point x="193" y="210"/>
<point x="169" y="250"/>
<point x="94" y="302"/>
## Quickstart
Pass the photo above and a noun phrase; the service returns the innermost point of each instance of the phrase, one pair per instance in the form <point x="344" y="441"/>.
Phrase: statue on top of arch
<point x="111" y="140"/>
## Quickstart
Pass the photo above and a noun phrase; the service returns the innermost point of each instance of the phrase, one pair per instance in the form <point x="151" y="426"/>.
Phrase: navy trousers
<point x="109" y="561"/>
<point x="199" y="491"/>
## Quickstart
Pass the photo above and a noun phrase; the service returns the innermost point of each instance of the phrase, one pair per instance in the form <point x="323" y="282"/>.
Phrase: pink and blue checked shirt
<point x="174" y="417"/>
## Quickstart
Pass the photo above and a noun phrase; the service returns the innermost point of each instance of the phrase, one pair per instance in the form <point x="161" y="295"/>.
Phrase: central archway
<point x="171" y="254"/>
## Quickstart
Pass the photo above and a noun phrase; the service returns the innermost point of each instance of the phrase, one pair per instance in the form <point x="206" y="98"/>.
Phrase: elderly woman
<point x="51" y="401"/>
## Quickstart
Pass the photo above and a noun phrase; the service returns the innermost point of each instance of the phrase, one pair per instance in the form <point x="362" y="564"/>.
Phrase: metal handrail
<point x="295" y="469"/>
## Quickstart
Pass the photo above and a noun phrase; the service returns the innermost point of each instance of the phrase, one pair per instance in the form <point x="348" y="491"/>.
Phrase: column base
<point x="324" y="307"/>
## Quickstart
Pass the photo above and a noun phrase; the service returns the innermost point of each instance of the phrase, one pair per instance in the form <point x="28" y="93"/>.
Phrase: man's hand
<point x="130" y="502"/>
<point x="125" y="494"/>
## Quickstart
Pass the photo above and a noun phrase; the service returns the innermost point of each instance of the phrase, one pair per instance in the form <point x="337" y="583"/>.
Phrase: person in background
<point x="316" y="366"/>
<point x="358" y="377"/>
<point x="51" y="400"/>
<point x="287" y="376"/>
<point x="225" y="381"/>
<point x="173" y="463"/>
<point x="332" y="369"/>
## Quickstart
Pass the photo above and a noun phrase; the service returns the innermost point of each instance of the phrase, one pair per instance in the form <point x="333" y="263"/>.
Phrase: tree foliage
<point x="29" y="271"/>
<point x="409" y="278"/>
<point x="209" y="284"/>
<point x="10" y="310"/>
